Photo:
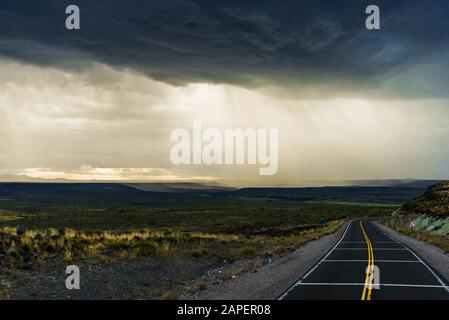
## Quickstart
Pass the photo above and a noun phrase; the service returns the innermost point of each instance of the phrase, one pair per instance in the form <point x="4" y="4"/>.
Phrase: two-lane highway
<point x="368" y="264"/>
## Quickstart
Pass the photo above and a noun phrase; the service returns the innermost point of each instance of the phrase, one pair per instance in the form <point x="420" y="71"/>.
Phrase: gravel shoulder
<point x="436" y="257"/>
<point x="270" y="280"/>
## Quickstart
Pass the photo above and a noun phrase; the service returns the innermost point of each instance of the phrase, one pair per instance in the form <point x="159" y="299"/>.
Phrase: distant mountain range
<point x="101" y="195"/>
<point x="229" y="185"/>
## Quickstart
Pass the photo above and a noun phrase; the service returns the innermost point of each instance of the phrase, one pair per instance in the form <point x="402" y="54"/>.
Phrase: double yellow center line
<point x="366" y="294"/>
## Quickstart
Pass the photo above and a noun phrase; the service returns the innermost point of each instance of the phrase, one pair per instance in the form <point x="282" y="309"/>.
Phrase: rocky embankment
<point x="429" y="212"/>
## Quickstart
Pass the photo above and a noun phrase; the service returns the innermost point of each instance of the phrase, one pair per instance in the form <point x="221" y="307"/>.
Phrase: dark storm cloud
<point x="304" y="44"/>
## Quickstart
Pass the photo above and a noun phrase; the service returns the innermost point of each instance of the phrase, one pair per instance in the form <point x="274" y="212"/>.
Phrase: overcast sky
<point x="100" y="102"/>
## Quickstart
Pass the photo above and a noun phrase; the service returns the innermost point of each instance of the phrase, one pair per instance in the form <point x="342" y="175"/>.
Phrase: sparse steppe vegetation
<point x="33" y="245"/>
<point x="41" y="242"/>
<point x="133" y="244"/>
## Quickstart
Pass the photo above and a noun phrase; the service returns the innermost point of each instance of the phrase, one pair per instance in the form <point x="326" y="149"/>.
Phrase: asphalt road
<point x="367" y="264"/>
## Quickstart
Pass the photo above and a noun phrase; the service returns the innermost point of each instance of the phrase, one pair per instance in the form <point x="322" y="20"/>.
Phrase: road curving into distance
<point x="367" y="264"/>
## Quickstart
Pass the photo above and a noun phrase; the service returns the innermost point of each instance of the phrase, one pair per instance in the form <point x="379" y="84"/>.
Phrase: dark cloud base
<point x="319" y="46"/>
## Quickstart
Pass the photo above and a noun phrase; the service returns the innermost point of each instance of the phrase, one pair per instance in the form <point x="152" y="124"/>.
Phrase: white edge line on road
<point x="328" y="254"/>
<point x="316" y="264"/>
<point x="392" y="261"/>
<point x="424" y="263"/>
<point x="381" y="284"/>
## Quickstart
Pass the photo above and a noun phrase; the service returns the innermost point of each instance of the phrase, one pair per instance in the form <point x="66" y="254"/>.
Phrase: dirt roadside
<point x="270" y="280"/>
<point x="436" y="257"/>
